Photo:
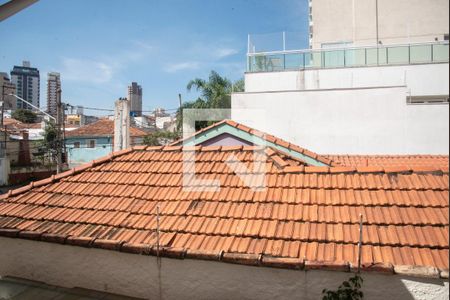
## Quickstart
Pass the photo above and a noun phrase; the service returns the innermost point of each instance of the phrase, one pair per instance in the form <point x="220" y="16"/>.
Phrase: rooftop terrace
<point x="381" y="55"/>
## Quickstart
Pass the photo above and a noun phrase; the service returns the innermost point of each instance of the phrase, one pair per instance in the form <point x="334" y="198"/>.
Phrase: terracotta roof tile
<point x="103" y="127"/>
<point x="407" y="162"/>
<point x="269" y="138"/>
<point x="305" y="217"/>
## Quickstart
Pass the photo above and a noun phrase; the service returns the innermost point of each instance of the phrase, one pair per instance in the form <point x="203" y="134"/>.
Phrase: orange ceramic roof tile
<point x="302" y="217"/>
<point x="103" y="127"/>
<point x="269" y="138"/>
<point x="402" y="161"/>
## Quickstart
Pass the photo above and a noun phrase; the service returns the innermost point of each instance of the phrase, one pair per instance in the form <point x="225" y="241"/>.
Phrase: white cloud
<point x="87" y="70"/>
<point x="224" y="52"/>
<point x="188" y="65"/>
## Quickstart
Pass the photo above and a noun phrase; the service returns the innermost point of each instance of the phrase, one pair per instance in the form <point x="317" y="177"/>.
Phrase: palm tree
<point x="216" y="92"/>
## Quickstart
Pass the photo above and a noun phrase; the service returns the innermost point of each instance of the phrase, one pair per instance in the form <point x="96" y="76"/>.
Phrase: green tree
<point x="239" y="86"/>
<point x="24" y="115"/>
<point x="215" y="92"/>
<point x="160" y="138"/>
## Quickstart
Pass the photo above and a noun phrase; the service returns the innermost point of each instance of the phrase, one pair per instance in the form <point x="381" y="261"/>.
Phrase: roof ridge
<point x="266" y="136"/>
<point x="367" y="170"/>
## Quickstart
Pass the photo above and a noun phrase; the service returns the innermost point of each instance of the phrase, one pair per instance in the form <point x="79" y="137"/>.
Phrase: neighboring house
<point x="376" y="80"/>
<point x="95" y="140"/>
<point x="231" y="133"/>
<point x="35" y="130"/>
<point x="126" y="224"/>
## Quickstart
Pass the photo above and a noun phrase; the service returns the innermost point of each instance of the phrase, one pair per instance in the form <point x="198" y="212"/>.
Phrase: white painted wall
<point x="138" y="276"/>
<point x="426" y="79"/>
<point x="399" y="21"/>
<point x="353" y="121"/>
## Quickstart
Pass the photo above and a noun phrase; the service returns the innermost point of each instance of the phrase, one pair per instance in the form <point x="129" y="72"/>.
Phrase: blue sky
<point x="100" y="46"/>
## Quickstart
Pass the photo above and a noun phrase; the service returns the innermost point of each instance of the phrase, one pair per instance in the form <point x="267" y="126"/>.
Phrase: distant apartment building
<point x="53" y="85"/>
<point x="27" y="82"/>
<point x="375" y="80"/>
<point x="7" y="88"/>
<point x="135" y="98"/>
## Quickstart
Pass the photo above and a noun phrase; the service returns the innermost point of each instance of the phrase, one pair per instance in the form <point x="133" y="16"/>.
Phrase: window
<point x="76" y="145"/>
<point x="91" y="144"/>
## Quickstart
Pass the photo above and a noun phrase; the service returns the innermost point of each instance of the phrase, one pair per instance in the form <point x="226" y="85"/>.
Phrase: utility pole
<point x="3" y="103"/>
<point x="179" y="99"/>
<point x="58" y="132"/>
<point x="63" y="148"/>
<point x="3" y="146"/>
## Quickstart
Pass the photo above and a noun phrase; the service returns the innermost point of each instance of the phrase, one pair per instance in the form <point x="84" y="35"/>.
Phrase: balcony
<point x="424" y="53"/>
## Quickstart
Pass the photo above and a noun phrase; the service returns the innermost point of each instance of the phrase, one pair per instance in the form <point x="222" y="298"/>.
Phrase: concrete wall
<point x="77" y="156"/>
<point x="427" y="79"/>
<point x="399" y="21"/>
<point x="139" y="276"/>
<point x="353" y="121"/>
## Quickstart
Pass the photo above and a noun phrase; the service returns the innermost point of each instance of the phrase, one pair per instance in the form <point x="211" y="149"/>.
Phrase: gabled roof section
<point x="101" y="128"/>
<point x="305" y="218"/>
<point x="255" y="137"/>
<point x="408" y="161"/>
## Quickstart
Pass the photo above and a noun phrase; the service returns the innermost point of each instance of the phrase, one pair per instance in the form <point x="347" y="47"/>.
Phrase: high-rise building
<point x="375" y="80"/>
<point x="27" y="81"/>
<point x="53" y="84"/>
<point x="135" y="98"/>
<point x="371" y="22"/>
<point x="7" y="88"/>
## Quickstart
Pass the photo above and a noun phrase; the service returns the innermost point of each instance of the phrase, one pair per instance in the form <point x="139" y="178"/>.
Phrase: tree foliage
<point x="24" y="115"/>
<point x="48" y="144"/>
<point x="215" y="92"/>
<point x="239" y="86"/>
<point x="160" y="138"/>
<point x="348" y="290"/>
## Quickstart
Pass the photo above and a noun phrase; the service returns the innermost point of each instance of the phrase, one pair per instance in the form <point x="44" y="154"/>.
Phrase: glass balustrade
<point x="348" y="57"/>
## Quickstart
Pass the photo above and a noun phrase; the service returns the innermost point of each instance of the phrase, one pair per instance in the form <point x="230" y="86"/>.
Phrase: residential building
<point x="135" y="98"/>
<point x="160" y="112"/>
<point x="95" y="140"/>
<point x="75" y="120"/>
<point x="372" y="22"/>
<point x="164" y="122"/>
<point x="7" y="87"/>
<point x="353" y="95"/>
<point x="53" y="85"/>
<point x="130" y="217"/>
<point x="231" y="133"/>
<point x="27" y="80"/>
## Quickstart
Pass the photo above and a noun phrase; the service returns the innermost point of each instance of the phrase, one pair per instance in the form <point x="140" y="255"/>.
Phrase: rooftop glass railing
<point x="348" y="57"/>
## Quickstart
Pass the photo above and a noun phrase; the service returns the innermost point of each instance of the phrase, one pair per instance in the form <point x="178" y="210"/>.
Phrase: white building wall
<point x="426" y="79"/>
<point x="139" y="276"/>
<point x="353" y="121"/>
<point x="399" y="21"/>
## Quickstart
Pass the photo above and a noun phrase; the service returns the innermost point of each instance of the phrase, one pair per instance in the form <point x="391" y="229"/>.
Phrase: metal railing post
<point x="387" y="55"/>
<point x="432" y="53"/>
<point x="344" y="59"/>
<point x="409" y="54"/>
<point x="365" y="56"/>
